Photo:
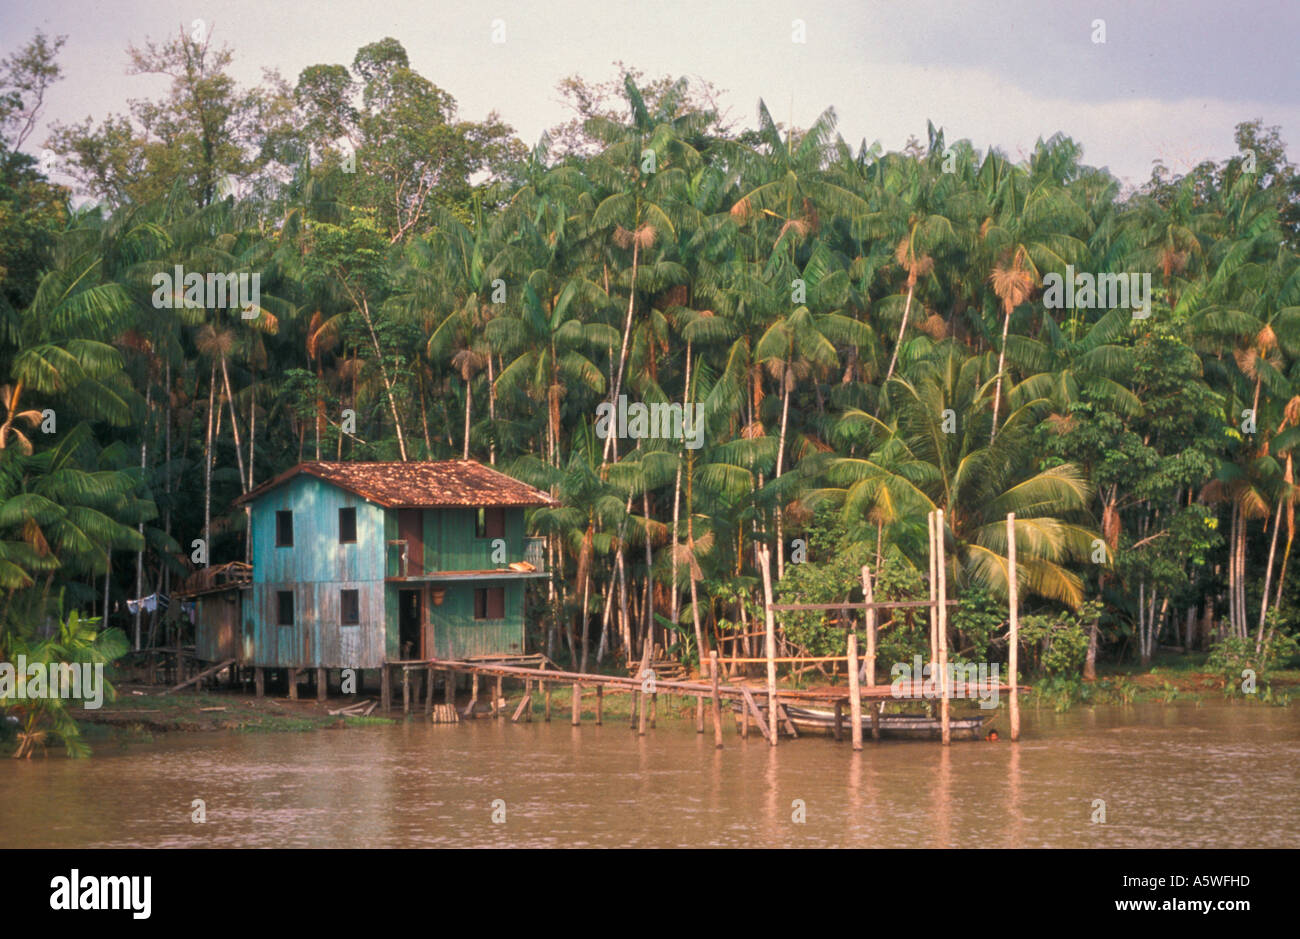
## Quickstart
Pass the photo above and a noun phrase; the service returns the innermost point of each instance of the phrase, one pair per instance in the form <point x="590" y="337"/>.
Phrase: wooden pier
<point x="645" y="691"/>
<point x="772" y="719"/>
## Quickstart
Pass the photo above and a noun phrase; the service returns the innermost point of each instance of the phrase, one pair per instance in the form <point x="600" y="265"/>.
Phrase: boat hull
<point x="892" y="726"/>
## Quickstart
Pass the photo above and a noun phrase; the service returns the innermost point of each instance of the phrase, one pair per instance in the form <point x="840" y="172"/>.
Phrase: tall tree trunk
<point x="1242" y="623"/>
<point x="252" y="428"/>
<point x="234" y="425"/>
<point x="1143" y="655"/>
<point x="492" y="412"/>
<point x="1002" y="361"/>
<point x="902" y="330"/>
<point x="677" y="487"/>
<point x="469" y="403"/>
<point x="139" y="556"/>
<point x="627" y="334"/>
<point x="424" y="419"/>
<point x="1268" y="578"/>
<point x="1232" y="570"/>
<point x="780" y="456"/>
<point x="207" y="466"/>
<point x="383" y="373"/>
<point x="649" y="569"/>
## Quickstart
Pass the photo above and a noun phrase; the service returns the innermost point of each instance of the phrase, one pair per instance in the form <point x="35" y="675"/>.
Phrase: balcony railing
<point x="535" y="553"/>
<point x="396" y="560"/>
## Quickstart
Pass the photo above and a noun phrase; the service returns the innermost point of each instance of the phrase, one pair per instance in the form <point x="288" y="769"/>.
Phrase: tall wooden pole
<point x="868" y="597"/>
<point x="855" y="693"/>
<point x="934" y="592"/>
<point x="717" y="707"/>
<point x="1013" y="650"/>
<point x="770" y="652"/>
<point x="942" y="564"/>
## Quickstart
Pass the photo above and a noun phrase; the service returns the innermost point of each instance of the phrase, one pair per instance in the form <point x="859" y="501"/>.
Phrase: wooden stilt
<point x="944" y="690"/>
<point x="758" y="715"/>
<point x="785" y="719"/>
<point x="744" y="721"/>
<point x="385" y="689"/>
<point x="546" y="697"/>
<point x="577" y="704"/>
<point x="293" y="684"/>
<point x="1013" y="642"/>
<point x="855" y="694"/>
<point x="428" y="689"/>
<point x="633" y="697"/>
<point x="473" y="696"/>
<point x="449" y="690"/>
<point x="524" y="703"/>
<point x="717" y="706"/>
<point x="259" y="681"/>
<point x="875" y="720"/>
<point x="496" y="700"/>
<point x="654" y="709"/>
<point x="322" y="684"/>
<point x="699" y="713"/>
<point x="406" y="689"/>
<point x="600" y="705"/>
<point x="839" y="720"/>
<point x="645" y="708"/>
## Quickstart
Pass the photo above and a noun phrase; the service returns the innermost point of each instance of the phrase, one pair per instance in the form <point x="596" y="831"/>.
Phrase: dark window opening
<point x="347" y="526"/>
<point x="491" y="523"/>
<point x="284" y="529"/>
<point x="490" y="603"/>
<point x="350" y="607"/>
<point x="284" y="608"/>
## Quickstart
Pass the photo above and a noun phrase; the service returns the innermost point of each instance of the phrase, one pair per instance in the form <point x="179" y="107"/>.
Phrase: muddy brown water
<point x="1218" y="775"/>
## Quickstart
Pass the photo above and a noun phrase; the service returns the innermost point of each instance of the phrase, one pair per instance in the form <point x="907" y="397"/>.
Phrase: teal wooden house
<point x="358" y="565"/>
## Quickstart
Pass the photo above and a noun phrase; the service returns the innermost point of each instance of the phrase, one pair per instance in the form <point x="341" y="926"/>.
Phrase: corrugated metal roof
<point x="432" y="484"/>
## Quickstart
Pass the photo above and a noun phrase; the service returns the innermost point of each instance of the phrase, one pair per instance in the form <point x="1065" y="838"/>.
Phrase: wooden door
<point x="410" y="528"/>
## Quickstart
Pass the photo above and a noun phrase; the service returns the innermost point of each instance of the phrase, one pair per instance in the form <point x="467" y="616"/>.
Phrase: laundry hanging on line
<point x="154" y="601"/>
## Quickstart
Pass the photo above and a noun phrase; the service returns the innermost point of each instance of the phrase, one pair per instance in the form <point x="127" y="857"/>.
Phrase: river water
<point x="1218" y="775"/>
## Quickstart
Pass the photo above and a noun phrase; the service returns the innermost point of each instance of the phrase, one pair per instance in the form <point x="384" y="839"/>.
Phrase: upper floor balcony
<point x="528" y="563"/>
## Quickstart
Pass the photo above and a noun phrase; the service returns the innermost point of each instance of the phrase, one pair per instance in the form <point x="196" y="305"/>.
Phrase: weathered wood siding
<point x="455" y="632"/>
<point x="316" y="568"/>
<point x="217" y="622"/>
<point x="451" y="542"/>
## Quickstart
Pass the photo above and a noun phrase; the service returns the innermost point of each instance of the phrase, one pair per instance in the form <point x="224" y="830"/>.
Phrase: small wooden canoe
<point x="892" y="726"/>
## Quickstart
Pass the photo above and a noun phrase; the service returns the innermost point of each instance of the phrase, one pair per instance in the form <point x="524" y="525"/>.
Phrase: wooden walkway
<point x="534" y="673"/>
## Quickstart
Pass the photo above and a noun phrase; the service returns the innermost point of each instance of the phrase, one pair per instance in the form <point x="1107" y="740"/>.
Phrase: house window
<point x="491" y="523"/>
<point x="490" y="603"/>
<point x="284" y="529"/>
<point x="347" y="526"/>
<point x="284" y="608"/>
<point x="350" y="607"/>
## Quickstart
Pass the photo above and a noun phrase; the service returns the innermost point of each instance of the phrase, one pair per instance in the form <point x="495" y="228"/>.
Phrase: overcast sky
<point x="1170" y="82"/>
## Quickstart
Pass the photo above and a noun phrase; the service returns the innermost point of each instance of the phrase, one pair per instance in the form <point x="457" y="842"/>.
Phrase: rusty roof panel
<point x="431" y="484"/>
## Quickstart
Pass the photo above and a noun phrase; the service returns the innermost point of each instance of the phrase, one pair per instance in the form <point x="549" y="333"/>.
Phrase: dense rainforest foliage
<point x="869" y="335"/>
